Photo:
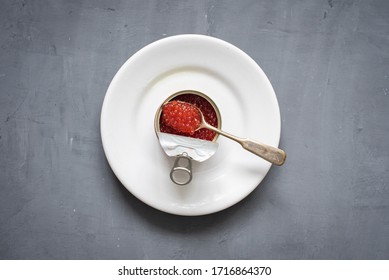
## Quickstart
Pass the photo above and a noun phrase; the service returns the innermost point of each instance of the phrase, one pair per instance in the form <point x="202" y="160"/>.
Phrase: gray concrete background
<point x="329" y="64"/>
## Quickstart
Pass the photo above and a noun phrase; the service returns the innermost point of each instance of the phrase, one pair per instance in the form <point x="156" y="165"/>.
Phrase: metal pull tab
<point x="181" y="173"/>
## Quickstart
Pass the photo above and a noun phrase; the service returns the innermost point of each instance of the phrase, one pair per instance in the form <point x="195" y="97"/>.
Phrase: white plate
<point x="237" y="85"/>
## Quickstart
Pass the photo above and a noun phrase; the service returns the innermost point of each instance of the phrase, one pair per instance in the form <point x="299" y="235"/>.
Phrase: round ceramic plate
<point x="240" y="89"/>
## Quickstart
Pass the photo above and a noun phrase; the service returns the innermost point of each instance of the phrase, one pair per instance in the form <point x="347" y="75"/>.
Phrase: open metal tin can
<point x="186" y="148"/>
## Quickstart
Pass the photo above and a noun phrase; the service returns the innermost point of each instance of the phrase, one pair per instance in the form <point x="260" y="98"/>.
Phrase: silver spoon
<point x="269" y="153"/>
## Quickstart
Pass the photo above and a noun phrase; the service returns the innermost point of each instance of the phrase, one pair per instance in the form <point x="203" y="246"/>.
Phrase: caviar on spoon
<point x="187" y="118"/>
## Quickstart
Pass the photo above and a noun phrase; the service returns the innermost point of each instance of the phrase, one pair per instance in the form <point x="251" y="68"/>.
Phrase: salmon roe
<point x="185" y="124"/>
<point x="181" y="116"/>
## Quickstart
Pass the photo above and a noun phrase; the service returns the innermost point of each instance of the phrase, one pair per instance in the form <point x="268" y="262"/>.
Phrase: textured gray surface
<point x="329" y="64"/>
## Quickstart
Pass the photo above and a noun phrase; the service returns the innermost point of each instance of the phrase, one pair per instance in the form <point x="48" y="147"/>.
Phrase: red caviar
<point x="181" y="128"/>
<point x="181" y="116"/>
